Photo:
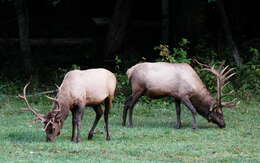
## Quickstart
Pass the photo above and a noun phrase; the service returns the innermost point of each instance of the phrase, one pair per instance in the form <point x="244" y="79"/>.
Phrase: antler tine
<point x="229" y="93"/>
<point x="24" y="95"/>
<point x="50" y="122"/>
<point x="229" y="76"/>
<point x="212" y="69"/>
<point x="56" y="101"/>
<point x="57" y="86"/>
<point x="231" y="104"/>
<point x="223" y="86"/>
<point x="51" y="98"/>
<point x="224" y="69"/>
<point x="39" y="116"/>
<point x="201" y="63"/>
<point x="224" y="74"/>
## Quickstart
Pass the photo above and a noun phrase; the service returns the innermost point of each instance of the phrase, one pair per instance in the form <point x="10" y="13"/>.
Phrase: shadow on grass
<point x="24" y="137"/>
<point x="170" y="124"/>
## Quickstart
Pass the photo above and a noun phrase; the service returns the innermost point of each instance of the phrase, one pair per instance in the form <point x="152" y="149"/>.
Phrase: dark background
<point x="198" y="21"/>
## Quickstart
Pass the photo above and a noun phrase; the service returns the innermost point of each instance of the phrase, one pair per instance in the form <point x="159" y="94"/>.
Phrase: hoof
<point x="108" y="138"/>
<point x="130" y="126"/>
<point x="77" y="141"/>
<point x="73" y="139"/>
<point x="178" y="126"/>
<point x="90" y="136"/>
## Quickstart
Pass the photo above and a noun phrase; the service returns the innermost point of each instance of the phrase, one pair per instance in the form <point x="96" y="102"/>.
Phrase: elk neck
<point x="202" y="102"/>
<point x="63" y="110"/>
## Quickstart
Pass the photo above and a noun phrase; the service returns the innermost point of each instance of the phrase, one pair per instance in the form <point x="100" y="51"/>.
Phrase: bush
<point x="177" y="55"/>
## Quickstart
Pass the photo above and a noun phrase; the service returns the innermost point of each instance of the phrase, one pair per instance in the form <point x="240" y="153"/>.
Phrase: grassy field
<point x="153" y="139"/>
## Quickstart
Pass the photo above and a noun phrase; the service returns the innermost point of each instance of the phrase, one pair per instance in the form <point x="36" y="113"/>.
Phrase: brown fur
<point x="179" y="81"/>
<point x="81" y="88"/>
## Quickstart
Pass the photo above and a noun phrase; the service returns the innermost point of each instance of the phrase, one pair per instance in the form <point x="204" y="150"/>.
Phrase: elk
<point x="80" y="88"/>
<point x="180" y="81"/>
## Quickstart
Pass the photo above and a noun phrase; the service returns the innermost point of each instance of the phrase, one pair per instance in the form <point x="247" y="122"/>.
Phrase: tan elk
<point x="181" y="82"/>
<point x="79" y="88"/>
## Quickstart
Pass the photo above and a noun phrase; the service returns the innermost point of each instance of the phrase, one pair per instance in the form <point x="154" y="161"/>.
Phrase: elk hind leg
<point x="108" y="105"/>
<point x="178" y="113"/>
<point x="99" y="113"/>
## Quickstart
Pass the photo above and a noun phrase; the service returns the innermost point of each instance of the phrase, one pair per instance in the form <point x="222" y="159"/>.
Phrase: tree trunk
<point x="23" y="25"/>
<point x="228" y="33"/>
<point x="172" y="22"/>
<point x="165" y="21"/>
<point x="118" y="27"/>
<point x="49" y="41"/>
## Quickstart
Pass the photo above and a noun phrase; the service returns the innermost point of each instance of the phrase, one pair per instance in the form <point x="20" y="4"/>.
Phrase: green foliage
<point x="177" y="55"/>
<point x="246" y="81"/>
<point x="8" y="87"/>
<point x="165" y="54"/>
<point x="118" y="62"/>
<point x="255" y="55"/>
<point x="249" y="77"/>
<point x="123" y="89"/>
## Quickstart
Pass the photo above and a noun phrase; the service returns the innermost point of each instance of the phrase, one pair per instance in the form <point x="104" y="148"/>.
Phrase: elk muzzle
<point x="217" y="118"/>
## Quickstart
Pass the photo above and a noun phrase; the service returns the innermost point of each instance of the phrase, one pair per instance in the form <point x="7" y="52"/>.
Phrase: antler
<point x="38" y="116"/>
<point x="222" y="77"/>
<point x="56" y="101"/>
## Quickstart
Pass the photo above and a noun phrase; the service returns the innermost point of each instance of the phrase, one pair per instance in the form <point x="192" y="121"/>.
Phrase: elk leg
<point x="79" y="114"/>
<point x="126" y="107"/>
<point x="99" y="113"/>
<point x="73" y="137"/>
<point x="189" y="105"/>
<point x="108" y="105"/>
<point x="178" y="113"/>
<point x="132" y="103"/>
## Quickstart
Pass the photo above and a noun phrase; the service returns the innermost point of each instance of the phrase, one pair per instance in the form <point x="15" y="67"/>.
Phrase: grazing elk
<point x="181" y="82"/>
<point x="79" y="88"/>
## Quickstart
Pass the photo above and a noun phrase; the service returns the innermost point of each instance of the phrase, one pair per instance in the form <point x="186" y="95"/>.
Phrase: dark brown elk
<point x="181" y="82"/>
<point x="79" y="89"/>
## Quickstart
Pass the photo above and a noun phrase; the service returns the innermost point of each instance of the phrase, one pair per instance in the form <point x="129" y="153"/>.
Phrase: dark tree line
<point x="177" y="19"/>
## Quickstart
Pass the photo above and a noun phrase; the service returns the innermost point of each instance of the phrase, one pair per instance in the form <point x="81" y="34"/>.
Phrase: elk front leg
<point x="78" y="115"/>
<point x="74" y="127"/>
<point x="189" y="105"/>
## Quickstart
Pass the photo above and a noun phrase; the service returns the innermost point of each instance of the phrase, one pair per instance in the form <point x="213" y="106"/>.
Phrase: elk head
<point x="215" y="111"/>
<point x="51" y="121"/>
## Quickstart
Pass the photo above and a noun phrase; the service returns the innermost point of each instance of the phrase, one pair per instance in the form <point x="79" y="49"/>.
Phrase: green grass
<point x="153" y="138"/>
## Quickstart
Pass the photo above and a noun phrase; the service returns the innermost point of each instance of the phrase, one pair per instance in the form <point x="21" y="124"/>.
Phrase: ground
<point x="154" y="137"/>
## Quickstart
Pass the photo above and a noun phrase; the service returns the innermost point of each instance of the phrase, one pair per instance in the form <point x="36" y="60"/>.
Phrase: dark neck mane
<point x="61" y="115"/>
<point x="202" y="102"/>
